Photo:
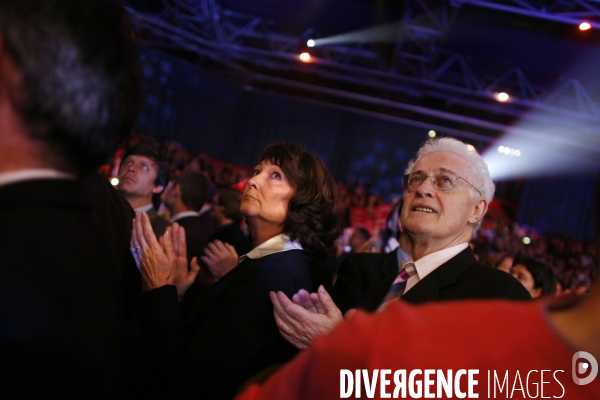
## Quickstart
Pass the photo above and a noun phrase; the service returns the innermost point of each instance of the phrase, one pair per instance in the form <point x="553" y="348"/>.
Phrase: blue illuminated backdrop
<point x="208" y="114"/>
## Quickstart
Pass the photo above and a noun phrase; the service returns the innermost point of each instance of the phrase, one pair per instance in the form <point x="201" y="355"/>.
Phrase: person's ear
<point x="479" y="211"/>
<point x="535" y="293"/>
<point x="158" y="189"/>
<point x="177" y="191"/>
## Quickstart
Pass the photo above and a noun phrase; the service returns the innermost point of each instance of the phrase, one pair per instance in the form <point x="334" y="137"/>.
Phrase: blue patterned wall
<point x="208" y="114"/>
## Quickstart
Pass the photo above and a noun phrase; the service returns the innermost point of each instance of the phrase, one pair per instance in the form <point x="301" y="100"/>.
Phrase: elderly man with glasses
<point x="447" y="192"/>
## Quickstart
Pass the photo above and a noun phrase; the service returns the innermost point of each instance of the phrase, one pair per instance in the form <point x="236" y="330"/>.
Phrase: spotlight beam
<point x="561" y="149"/>
<point x="382" y="33"/>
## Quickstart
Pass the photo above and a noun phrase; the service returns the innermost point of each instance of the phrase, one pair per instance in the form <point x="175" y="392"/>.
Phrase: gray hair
<point x="477" y="172"/>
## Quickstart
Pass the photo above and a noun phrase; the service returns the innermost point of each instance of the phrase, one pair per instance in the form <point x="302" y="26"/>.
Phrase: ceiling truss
<point x="420" y="77"/>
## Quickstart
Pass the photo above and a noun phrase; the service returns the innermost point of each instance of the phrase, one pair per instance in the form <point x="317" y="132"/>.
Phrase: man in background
<point x="184" y="196"/>
<point x="143" y="175"/>
<point x="359" y="241"/>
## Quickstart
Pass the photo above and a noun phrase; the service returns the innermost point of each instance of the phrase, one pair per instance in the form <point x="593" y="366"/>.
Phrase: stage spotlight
<point x="526" y="240"/>
<point x="508" y="151"/>
<point x="304" y="57"/>
<point x="310" y="43"/>
<point x="114" y="181"/>
<point x="502" y="97"/>
<point x="584" y="26"/>
<point x="431" y="133"/>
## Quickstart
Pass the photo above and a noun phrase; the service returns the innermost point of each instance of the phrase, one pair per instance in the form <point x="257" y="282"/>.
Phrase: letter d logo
<point x="580" y="368"/>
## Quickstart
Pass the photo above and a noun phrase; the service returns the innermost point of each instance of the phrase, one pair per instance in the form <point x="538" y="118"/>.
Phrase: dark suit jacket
<point x="208" y="224"/>
<point x="194" y="236"/>
<point x="196" y="242"/>
<point x="461" y="277"/>
<point x="60" y="319"/>
<point x="159" y="224"/>
<point x="227" y="336"/>
<point x="360" y="272"/>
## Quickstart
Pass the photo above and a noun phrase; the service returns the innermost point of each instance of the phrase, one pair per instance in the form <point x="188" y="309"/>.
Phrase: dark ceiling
<point x="425" y="63"/>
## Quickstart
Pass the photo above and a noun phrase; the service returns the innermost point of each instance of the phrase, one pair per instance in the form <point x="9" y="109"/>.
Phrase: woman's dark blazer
<point x="210" y="347"/>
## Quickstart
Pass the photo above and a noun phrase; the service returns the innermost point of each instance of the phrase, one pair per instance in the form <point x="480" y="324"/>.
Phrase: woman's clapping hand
<point x="163" y="261"/>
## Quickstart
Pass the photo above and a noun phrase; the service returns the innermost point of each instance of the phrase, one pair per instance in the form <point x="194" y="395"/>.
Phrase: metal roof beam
<point x="580" y="10"/>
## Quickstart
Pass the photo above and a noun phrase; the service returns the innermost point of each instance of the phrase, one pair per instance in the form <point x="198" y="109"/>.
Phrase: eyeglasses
<point x="443" y="180"/>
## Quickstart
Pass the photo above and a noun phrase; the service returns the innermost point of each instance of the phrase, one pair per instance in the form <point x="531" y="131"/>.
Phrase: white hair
<point x="477" y="172"/>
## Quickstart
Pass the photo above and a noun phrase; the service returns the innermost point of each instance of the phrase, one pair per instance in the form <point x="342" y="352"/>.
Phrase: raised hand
<point x="220" y="258"/>
<point x="184" y="274"/>
<point x="157" y="261"/>
<point x="305" y="316"/>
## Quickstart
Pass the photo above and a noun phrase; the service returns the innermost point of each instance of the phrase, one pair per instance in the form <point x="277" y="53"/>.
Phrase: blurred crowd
<point x="572" y="261"/>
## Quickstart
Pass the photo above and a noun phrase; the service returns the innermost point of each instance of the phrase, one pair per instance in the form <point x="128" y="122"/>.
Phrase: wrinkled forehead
<point x="440" y="161"/>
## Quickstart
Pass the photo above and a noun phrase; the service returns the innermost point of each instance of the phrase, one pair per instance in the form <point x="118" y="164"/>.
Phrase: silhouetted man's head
<point x="68" y="69"/>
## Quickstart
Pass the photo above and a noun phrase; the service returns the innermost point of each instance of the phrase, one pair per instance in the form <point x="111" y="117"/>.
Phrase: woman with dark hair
<point x="537" y="277"/>
<point x="310" y="217"/>
<point x="210" y="346"/>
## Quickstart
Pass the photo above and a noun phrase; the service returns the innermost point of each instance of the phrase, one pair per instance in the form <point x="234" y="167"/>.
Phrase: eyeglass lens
<point x="442" y="180"/>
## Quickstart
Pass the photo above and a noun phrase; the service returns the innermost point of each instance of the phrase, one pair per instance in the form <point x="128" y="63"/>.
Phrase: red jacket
<point x="508" y="343"/>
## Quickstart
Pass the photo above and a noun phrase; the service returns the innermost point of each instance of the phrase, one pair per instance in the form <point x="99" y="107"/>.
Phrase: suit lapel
<point x="447" y="274"/>
<point x="375" y="294"/>
<point x="389" y="264"/>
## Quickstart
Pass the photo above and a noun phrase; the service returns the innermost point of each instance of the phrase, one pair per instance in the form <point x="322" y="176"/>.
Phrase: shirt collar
<point x="206" y="207"/>
<point x="276" y="244"/>
<point x="425" y="265"/>
<point x="184" y="214"/>
<point x="31" y="174"/>
<point x="145" y="208"/>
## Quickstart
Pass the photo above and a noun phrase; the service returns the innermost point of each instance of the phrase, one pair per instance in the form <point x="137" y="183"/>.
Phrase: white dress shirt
<point x="426" y="265"/>
<point x="184" y="214"/>
<point x="145" y="208"/>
